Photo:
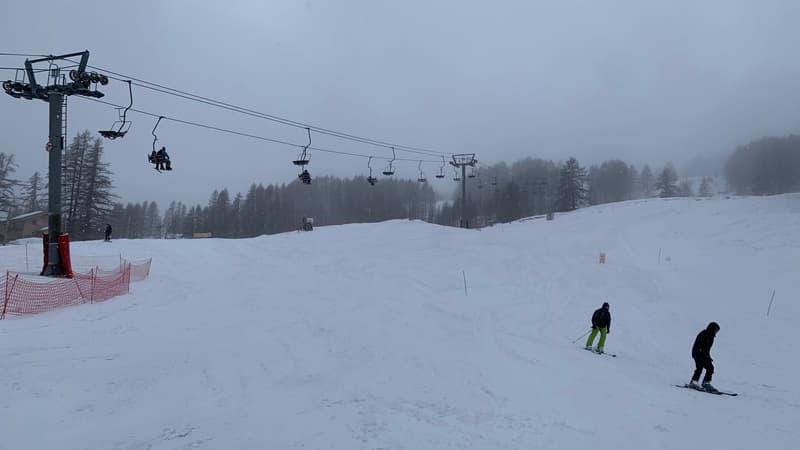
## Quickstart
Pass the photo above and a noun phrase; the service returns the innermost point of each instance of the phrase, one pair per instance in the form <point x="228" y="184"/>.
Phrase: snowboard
<point x="613" y="355"/>
<point x="732" y="394"/>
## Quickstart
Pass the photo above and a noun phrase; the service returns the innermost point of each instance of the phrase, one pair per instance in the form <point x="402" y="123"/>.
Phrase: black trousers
<point x="700" y="364"/>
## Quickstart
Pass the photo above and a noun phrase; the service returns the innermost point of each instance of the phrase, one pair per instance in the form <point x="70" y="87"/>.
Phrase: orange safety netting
<point x="23" y="296"/>
<point x="141" y="270"/>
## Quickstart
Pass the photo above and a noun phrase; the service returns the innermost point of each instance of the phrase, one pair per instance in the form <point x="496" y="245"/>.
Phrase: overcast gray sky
<point x="645" y="81"/>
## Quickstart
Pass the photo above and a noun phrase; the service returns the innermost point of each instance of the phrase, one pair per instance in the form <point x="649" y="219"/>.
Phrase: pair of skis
<point x="613" y="355"/>
<point x="717" y="392"/>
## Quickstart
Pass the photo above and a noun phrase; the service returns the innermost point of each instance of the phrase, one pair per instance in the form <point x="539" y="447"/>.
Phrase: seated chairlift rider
<point x="161" y="159"/>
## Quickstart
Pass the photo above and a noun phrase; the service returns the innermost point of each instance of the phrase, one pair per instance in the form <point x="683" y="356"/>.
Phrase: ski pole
<point x="581" y="336"/>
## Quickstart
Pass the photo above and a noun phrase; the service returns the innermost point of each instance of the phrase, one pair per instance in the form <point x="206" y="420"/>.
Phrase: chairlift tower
<point x="55" y="93"/>
<point x="463" y="160"/>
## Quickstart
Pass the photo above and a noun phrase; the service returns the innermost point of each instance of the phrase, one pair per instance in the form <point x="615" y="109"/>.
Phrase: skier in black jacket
<point x="601" y="322"/>
<point x="701" y="353"/>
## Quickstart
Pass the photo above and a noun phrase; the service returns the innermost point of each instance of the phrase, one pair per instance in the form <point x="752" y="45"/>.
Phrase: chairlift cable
<point x="259" y="115"/>
<point x="252" y="136"/>
<point x="27" y="55"/>
<point x="278" y="119"/>
<point x="212" y="102"/>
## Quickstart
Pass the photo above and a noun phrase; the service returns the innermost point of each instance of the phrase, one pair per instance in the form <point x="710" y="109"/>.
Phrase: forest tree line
<point x="497" y="193"/>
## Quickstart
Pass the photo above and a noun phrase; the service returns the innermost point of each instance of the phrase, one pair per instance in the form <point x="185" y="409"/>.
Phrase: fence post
<point x="91" y="290"/>
<point x="8" y="294"/>
<point x="5" y="299"/>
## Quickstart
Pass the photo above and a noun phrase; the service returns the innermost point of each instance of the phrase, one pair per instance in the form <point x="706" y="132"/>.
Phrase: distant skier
<point x="601" y="322"/>
<point x="108" y="232"/>
<point x="701" y="353"/>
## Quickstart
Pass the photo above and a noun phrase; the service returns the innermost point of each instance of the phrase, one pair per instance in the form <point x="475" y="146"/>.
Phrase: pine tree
<point x="705" y="187"/>
<point x="87" y="195"/>
<point x="236" y="216"/>
<point x="613" y="181"/>
<point x="152" y="220"/>
<point x="685" y="189"/>
<point x="7" y="183"/>
<point x="572" y="193"/>
<point x="34" y="193"/>
<point x="665" y="185"/>
<point x="136" y="220"/>
<point x="646" y="182"/>
<point x="509" y="203"/>
<point x="72" y="179"/>
<point x="172" y="219"/>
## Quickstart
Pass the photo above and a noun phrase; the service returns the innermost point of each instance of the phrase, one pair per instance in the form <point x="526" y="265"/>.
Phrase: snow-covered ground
<point x="407" y="335"/>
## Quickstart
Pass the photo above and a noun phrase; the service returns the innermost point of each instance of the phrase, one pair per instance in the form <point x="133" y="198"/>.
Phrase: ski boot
<point x="695" y="385"/>
<point x="709" y="388"/>
<point x="599" y="351"/>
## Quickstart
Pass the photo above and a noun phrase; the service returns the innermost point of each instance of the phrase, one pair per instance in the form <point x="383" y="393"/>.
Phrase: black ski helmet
<point x="605" y="305"/>
<point x="713" y="326"/>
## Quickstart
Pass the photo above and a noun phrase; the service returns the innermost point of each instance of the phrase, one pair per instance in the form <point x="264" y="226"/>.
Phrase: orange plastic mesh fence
<point x="21" y="296"/>
<point x="140" y="270"/>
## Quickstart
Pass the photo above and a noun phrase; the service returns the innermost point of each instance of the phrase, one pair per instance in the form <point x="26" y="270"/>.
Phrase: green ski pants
<point x="602" y="342"/>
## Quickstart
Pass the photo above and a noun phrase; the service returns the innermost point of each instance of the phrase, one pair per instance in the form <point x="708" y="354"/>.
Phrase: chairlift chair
<point x="302" y="158"/>
<point x="153" y="157"/>
<point x="441" y="170"/>
<point x="121" y="126"/>
<point x="389" y="170"/>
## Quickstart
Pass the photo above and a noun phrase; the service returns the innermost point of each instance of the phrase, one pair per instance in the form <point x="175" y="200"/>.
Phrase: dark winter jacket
<point x="702" y="344"/>
<point x="601" y="319"/>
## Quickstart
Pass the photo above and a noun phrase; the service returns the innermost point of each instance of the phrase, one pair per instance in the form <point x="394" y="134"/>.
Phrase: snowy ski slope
<point x="407" y="335"/>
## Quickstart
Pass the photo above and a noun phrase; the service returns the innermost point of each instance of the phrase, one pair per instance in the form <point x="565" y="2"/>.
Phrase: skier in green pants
<point x="601" y="322"/>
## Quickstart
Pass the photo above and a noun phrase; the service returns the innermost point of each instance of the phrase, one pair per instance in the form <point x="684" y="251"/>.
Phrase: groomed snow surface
<point x="365" y="337"/>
